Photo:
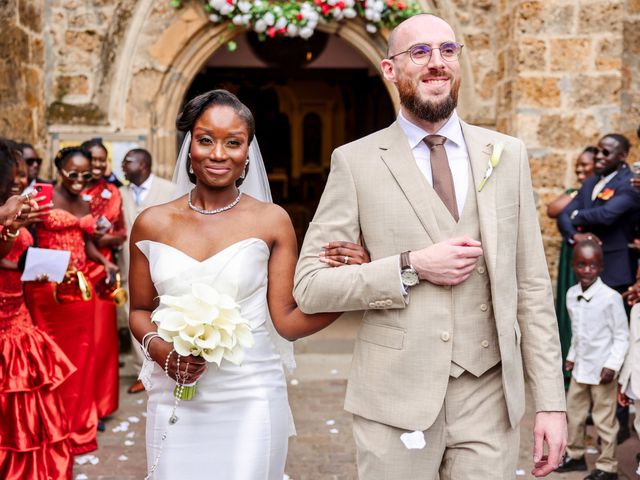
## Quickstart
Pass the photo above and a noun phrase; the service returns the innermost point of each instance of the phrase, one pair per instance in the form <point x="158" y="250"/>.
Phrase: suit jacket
<point x="402" y="361"/>
<point x="161" y="191"/>
<point x="612" y="217"/>
<point x="630" y="371"/>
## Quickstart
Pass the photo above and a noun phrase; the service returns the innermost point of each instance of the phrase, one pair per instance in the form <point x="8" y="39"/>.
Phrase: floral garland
<point x="271" y="18"/>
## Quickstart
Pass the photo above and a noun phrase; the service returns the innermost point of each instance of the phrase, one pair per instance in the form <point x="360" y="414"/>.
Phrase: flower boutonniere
<point x="606" y="194"/>
<point x="494" y="160"/>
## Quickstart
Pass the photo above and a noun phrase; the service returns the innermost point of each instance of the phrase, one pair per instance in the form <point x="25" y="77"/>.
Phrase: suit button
<point x="481" y="270"/>
<point x="379" y="303"/>
<point x="372" y="305"/>
<point x="388" y="303"/>
<point x="444" y="336"/>
<point x="485" y="344"/>
<point x="484" y="307"/>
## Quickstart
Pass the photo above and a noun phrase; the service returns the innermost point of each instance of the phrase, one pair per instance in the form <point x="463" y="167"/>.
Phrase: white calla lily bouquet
<point x="206" y="323"/>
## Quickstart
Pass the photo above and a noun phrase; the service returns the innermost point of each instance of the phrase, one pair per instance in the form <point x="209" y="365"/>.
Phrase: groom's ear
<point x="388" y="71"/>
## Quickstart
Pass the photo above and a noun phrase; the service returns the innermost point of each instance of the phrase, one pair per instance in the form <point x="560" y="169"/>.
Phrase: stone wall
<point x="22" y="109"/>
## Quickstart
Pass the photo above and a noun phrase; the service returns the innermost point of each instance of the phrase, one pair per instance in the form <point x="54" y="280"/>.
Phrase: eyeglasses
<point x="605" y="152"/>
<point x="421" y="54"/>
<point x="31" y="161"/>
<point x="73" y="175"/>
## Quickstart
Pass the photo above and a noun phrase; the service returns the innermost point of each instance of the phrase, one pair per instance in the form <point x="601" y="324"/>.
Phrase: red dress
<point x="106" y="201"/>
<point x="33" y="422"/>
<point x="70" y="323"/>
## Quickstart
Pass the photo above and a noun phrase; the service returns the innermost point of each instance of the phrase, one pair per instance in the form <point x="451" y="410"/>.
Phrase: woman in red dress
<point x="66" y="311"/>
<point x="34" y="428"/>
<point x="105" y="203"/>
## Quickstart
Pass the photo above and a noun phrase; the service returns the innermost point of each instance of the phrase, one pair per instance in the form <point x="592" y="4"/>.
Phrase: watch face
<point x="409" y="277"/>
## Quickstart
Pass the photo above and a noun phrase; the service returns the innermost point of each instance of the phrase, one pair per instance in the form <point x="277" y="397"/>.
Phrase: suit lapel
<point x="397" y="156"/>
<point x="479" y="147"/>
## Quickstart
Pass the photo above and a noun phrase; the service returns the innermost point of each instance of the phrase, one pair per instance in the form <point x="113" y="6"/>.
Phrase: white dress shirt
<point x="141" y="191"/>
<point x="600" y="333"/>
<point x="455" y="147"/>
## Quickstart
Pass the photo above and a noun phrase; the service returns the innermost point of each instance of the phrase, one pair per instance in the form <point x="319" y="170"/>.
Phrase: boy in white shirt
<point x="598" y="347"/>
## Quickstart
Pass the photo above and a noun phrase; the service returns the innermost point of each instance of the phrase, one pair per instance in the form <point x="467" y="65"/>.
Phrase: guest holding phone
<point x="105" y="203"/>
<point x="34" y="163"/>
<point x="34" y="428"/>
<point x="66" y="310"/>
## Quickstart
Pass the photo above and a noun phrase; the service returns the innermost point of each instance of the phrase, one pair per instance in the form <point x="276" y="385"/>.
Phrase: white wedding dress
<point x="238" y="424"/>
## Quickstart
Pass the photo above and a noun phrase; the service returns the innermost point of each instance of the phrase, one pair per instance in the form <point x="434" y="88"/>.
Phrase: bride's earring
<point x="191" y="169"/>
<point x="244" y="172"/>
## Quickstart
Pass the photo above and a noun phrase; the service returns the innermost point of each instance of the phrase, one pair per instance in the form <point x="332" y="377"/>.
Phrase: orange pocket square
<point x="606" y="194"/>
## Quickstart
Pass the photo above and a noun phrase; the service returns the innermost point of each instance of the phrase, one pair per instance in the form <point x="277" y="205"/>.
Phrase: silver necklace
<point x="215" y="210"/>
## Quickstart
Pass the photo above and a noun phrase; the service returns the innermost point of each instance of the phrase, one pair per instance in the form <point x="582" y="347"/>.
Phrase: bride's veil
<point x="256" y="184"/>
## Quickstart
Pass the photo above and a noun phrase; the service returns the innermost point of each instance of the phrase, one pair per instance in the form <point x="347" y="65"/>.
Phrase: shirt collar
<point x="452" y="130"/>
<point x="146" y="185"/>
<point x="590" y="292"/>
<point x="608" y="178"/>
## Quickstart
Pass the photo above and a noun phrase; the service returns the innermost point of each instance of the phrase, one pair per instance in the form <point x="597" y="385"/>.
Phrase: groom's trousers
<point x="471" y="439"/>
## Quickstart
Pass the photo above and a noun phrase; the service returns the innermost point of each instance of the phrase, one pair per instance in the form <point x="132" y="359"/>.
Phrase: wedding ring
<point x="346" y="259"/>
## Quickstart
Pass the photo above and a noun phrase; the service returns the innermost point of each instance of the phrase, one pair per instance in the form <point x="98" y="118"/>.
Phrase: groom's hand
<point x="549" y="428"/>
<point x="449" y="262"/>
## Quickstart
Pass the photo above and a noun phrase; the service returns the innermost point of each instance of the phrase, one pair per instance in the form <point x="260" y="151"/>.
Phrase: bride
<point x="237" y="425"/>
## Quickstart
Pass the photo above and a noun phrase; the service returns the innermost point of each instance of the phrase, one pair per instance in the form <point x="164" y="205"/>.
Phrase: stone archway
<point x="150" y="98"/>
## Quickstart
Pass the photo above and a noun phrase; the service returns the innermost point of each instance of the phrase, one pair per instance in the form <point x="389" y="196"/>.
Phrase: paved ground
<point x="323" y="448"/>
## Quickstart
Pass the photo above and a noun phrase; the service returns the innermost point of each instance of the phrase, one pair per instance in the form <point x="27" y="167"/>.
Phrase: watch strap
<point x="405" y="260"/>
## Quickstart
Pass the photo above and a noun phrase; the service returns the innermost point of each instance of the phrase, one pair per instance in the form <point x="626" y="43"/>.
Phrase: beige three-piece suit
<point x="447" y="361"/>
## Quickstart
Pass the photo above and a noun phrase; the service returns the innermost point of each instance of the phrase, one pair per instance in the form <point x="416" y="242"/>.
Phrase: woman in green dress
<point x="566" y="278"/>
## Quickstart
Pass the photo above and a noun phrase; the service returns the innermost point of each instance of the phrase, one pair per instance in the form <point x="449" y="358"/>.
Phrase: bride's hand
<point x="191" y="368"/>
<point x="338" y="254"/>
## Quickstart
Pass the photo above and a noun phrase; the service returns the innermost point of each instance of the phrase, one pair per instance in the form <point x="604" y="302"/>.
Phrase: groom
<point x="457" y="298"/>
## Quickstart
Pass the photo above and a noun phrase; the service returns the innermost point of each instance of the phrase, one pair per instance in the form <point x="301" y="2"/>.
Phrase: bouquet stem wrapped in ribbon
<point x="205" y="323"/>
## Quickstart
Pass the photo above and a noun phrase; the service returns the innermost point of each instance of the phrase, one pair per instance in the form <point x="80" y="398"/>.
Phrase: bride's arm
<point x="143" y="301"/>
<point x="290" y="322"/>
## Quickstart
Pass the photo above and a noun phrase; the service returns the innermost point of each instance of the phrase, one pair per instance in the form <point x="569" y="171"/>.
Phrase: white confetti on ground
<point x="294" y="382"/>
<point x="591" y="450"/>
<point x="520" y="472"/>
<point x="129" y="443"/>
<point x="413" y="440"/>
<point x="140" y="402"/>
<point x="144" y="414"/>
<point x="133" y="419"/>
<point x="334" y="371"/>
<point x="286" y="477"/>
<point x="122" y="427"/>
<point x="81" y="476"/>
<point x="333" y="430"/>
<point x="82" y="459"/>
<point x="123" y="458"/>
<point x="330" y="422"/>
<point x="131" y="434"/>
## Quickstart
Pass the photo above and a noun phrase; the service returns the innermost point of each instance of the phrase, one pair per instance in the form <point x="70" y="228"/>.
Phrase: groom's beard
<point x="427" y="110"/>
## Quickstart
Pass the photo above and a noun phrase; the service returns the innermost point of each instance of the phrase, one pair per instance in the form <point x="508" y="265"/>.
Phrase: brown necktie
<point x="441" y="173"/>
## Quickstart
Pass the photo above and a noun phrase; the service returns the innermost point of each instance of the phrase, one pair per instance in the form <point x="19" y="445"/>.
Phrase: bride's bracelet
<point x="166" y="363"/>
<point x="146" y="341"/>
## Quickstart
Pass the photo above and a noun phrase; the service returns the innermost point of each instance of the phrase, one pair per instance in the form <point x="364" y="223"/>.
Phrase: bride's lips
<point x="217" y="170"/>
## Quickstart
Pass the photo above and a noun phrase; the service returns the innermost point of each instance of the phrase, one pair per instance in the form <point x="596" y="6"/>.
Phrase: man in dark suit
<point x="608" y="207"/>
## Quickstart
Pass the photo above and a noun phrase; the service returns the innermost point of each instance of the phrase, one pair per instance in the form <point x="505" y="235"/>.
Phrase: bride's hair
<point x="214" y="98"/>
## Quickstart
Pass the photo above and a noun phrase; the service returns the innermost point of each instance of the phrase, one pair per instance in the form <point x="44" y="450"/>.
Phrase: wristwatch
<point x="408" y="274"/>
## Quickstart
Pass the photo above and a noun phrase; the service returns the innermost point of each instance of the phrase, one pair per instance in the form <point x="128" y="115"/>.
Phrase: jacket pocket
<point x="383" y="335"/>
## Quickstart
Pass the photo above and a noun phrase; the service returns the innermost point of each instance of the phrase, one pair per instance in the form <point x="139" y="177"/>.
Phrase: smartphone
<point x="41" y="190"/>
